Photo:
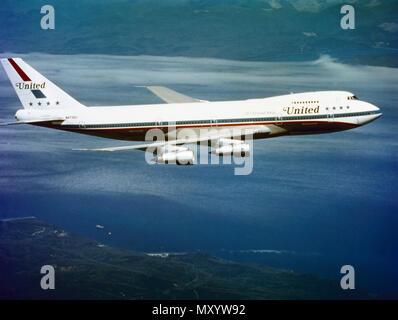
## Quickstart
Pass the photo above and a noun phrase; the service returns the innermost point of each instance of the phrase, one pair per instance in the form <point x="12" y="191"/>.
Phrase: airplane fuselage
<point x="226" y="126"/>
<point x="292" y="114"/>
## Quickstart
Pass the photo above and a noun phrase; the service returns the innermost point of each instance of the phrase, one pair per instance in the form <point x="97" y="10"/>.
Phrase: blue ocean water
<point x="312" y="203"/>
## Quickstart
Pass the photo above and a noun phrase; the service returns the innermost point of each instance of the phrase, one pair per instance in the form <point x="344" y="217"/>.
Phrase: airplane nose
<point x="377" y="109"/>
<point x="372" y="107"/>
<point x="375" y="114"/>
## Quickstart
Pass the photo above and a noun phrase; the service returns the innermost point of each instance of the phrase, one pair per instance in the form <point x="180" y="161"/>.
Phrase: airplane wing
<point x="189" y="140"/>
<point x="170" y="96"/>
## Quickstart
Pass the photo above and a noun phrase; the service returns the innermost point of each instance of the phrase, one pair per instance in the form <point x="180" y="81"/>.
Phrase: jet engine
<point x="175" y="154"/>
<point x="226" y="147"/>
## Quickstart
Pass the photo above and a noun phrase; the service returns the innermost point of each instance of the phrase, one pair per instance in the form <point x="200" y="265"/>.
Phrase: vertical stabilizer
<point x="33" y="89"/>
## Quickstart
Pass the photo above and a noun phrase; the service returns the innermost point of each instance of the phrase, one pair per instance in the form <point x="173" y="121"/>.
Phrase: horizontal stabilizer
<point x="32" y="121"/>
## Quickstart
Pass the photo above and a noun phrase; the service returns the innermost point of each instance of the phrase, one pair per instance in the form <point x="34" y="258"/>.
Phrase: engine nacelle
<point x="237" y="149"/>
<point x="183" y="157"/>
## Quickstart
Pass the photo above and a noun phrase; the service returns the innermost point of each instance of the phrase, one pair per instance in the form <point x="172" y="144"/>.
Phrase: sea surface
<point x="312" y="203"/>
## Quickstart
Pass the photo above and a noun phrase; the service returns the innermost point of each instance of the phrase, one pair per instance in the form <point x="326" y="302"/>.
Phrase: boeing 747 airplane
<point x="185" y="120"/>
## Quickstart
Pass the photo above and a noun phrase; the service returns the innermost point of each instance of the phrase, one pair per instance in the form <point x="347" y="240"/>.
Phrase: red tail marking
<point x="21" y="73"/>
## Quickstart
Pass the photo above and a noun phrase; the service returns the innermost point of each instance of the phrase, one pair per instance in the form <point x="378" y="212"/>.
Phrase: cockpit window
<point x="352" y="98"/>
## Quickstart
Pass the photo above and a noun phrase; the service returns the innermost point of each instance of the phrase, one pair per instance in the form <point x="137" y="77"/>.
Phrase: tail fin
<point x="33" y="89"/>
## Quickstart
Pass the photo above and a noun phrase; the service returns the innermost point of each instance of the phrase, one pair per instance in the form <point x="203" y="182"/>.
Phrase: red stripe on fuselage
<point x="21" y="73"/>
<point x="134" y="134"/>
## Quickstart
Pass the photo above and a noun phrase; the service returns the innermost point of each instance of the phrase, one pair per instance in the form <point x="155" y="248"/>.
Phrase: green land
<point x="86" y="269"/>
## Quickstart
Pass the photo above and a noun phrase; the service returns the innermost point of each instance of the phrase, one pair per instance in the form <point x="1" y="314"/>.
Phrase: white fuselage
<point x="301" y="113"/>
